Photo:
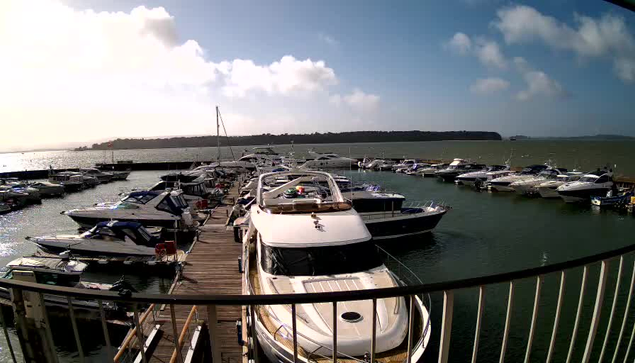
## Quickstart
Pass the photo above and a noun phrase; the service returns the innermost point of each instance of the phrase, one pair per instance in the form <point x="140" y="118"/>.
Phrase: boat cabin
<point x="168" y="201"/>
<point x="121" y="231"/>
<point x="44" y="270"/>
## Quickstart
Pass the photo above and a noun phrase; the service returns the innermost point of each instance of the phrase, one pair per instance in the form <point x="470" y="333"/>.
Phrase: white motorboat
<point x="63" y="272"/>
<point x="311" y="240"/>
<point x="105" y="239"/>
<point x="386" y="165"/>
<point x="502" y="184"/>
<point x="529" y="186"/>
<point x="593" y="184"/>
<point x="72" y="181"/>
<point x="404" y="165"/>
<point x="432" y="169"/>
<point x="549" y="189"/>
<point x="150" y="208"/>
<point x="484" y="175"/>
<point x="260" y="155"/>
<point x="22" y="191"/>
<point x="329" y="161"/>
<point x="48" y="189"/>
<point x="120" y="174"/>
<point x="457" y="167"/>
<point x="102" y="176"/>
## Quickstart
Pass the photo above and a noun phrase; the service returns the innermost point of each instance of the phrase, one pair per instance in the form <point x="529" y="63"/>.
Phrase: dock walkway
<point x="211" y="268"/>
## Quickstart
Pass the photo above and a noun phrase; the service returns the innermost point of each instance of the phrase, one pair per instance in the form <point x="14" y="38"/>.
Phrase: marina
<point x="208" y="266"/>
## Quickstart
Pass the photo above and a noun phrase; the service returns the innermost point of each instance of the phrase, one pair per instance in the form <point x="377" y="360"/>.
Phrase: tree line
<point x="283" y="139"/>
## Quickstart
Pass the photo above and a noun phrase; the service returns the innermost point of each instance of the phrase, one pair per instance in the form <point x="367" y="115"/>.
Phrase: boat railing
<point x="407" y="208"/>
<point x="598" y="326"/>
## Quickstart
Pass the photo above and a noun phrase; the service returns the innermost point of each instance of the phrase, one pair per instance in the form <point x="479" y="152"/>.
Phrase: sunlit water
<point x="483" y="234"/>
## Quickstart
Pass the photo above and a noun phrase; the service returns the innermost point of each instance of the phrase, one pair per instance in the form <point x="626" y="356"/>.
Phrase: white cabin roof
<point x="301" y="230"/>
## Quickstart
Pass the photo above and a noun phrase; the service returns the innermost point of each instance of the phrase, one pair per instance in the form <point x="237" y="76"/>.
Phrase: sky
<point x="73" y="72"/>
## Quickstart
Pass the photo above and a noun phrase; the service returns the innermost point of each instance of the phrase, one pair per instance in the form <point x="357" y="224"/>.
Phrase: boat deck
<point x="211" y="267"/>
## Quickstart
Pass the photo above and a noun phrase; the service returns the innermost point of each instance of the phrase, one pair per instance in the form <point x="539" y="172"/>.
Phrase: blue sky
<point x="543" y="68"/>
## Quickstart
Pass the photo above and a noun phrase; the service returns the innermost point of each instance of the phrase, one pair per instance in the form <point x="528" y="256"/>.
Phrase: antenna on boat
<point x="217" y="137"/>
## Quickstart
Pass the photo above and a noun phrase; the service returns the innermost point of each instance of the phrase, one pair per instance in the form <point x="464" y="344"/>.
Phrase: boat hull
<point x="548" y="192"/>
<point x="91" y="221"/>
<point x="582" y="195"/>
<point x="402" y="224"/>
<point x="93" y="252"/>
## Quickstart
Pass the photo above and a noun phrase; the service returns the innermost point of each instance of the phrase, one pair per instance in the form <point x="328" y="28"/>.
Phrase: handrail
<point x="132" y="334"/>
<point x="186" y="327"/>
<point x="309" y="298"/>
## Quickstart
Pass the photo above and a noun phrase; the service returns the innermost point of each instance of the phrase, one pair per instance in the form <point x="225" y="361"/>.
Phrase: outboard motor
<point x="122" y="285"/>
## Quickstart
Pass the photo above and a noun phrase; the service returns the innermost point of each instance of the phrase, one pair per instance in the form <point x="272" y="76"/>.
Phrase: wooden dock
<point x="210" y="268"/>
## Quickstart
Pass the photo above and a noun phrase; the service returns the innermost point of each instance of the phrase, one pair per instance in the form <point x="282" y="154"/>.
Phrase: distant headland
<point x="284" y="139"/>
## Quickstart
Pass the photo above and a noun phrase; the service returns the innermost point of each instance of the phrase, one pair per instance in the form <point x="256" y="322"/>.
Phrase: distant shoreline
<point x="286" y="139"/>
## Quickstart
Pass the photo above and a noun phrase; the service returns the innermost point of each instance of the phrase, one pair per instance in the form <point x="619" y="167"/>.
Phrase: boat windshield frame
<point x="320" y="261"/>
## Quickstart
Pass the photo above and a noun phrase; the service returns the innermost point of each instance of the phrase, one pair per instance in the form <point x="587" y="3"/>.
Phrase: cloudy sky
<point x="77" y="71"/>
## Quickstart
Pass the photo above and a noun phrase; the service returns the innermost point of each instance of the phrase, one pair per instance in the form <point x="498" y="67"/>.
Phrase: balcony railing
<point x="609" y="336"/>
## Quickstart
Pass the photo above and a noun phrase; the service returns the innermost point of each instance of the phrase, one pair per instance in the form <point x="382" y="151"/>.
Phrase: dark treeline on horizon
<point x="314" y="138"/>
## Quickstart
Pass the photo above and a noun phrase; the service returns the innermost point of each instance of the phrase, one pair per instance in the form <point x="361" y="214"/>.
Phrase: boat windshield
<point x="319" y="261"/>
<point x="588" y="179"/>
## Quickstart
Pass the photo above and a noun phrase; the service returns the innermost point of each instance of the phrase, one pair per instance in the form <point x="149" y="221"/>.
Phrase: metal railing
<point x="601" y="336"/>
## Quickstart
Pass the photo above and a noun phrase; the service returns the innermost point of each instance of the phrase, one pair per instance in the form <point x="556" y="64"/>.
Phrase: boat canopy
<point x="120" y="230"/>
<point x="45" y="264"/>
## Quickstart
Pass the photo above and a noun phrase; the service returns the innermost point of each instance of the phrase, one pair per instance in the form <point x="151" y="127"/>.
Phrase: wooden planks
<point x="211" y="268"/>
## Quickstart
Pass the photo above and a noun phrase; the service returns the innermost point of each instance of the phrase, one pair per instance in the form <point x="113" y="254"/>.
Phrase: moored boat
<point x="594" y="184"/>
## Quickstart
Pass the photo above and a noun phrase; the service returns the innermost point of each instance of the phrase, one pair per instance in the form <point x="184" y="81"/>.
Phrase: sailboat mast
<point x="217" y="136"/>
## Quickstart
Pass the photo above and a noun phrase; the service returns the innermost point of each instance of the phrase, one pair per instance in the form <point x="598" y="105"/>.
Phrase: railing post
<point x="140" y="337"/>
<point x="615" y="295"/>
<point x="578" y="313"/>
<point x="508" y="318"/>
<point x="295" y="333"/>
<point x="212" y="325"/>
<point x="446" y="326"/>
<point x="175" y="333"/>
<point x="6" y="335"/>
<point x="373" y="332"/>
<point x="254" y="332"/>
<point x="104" y="327"/>
<point x="411" y="318"/>
<point x="597" y="310"/>
<point x="47" y="327"/>
<point x="534" y="316"/>
<point x="556" y="319"/>
<point x="624" y="320"/>
<point x="479" y="314"/>
<point x="78" y="341"/>
<point x="334" y="331"/>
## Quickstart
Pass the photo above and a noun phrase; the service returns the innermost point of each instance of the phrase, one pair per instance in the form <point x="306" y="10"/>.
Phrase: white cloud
<point x="65" y="71"/>
<point x="489" y="54"/>
<point x="285" y="77"/>
<point x="357" y="100"/>
<point x="486" y="51"/>
<point x="538" y="82"/>
<point x="489" y="85"/>
<point x="604" y="37"/>
<point x="328" y="39"/>
<point x="460" y="43"/>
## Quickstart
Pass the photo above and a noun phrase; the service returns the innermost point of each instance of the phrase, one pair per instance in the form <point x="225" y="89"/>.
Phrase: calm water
<point x="585" y="155"/>
<point x="483" y="234"/>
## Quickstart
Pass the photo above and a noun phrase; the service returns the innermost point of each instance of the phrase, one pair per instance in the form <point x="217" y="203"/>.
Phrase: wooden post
<point x="30" y="327"/>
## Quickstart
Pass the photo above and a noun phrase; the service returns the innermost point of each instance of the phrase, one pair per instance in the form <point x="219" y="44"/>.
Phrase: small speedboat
<point x="432" y="169"/>
<point x="119" y="239"/>
<point x="63" y="272"/>
<point x="71" y="181"/>
<point x="593" y="184"/>
<point x="103" y="177"/>
<point x="329" y="161"/>
<point x="613" y="201"/>
<point x="48" y="189"/>
<point x="404" y="165"/>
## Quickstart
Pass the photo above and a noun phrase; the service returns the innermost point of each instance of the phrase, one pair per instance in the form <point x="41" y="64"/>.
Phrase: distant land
<point x="284" y="139"/>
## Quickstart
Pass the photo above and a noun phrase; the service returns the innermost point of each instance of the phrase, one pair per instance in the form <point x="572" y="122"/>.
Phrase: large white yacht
<point x="304" y="237"/>
<point x="594" y="184"/>
<point x="329" y="161"/>
<point x="549" y="189"/>
<point x="489" y="173"/>
<point x="529" y="186"/>
<point x="150" y="208"/>
<point x="502" y="184"/>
